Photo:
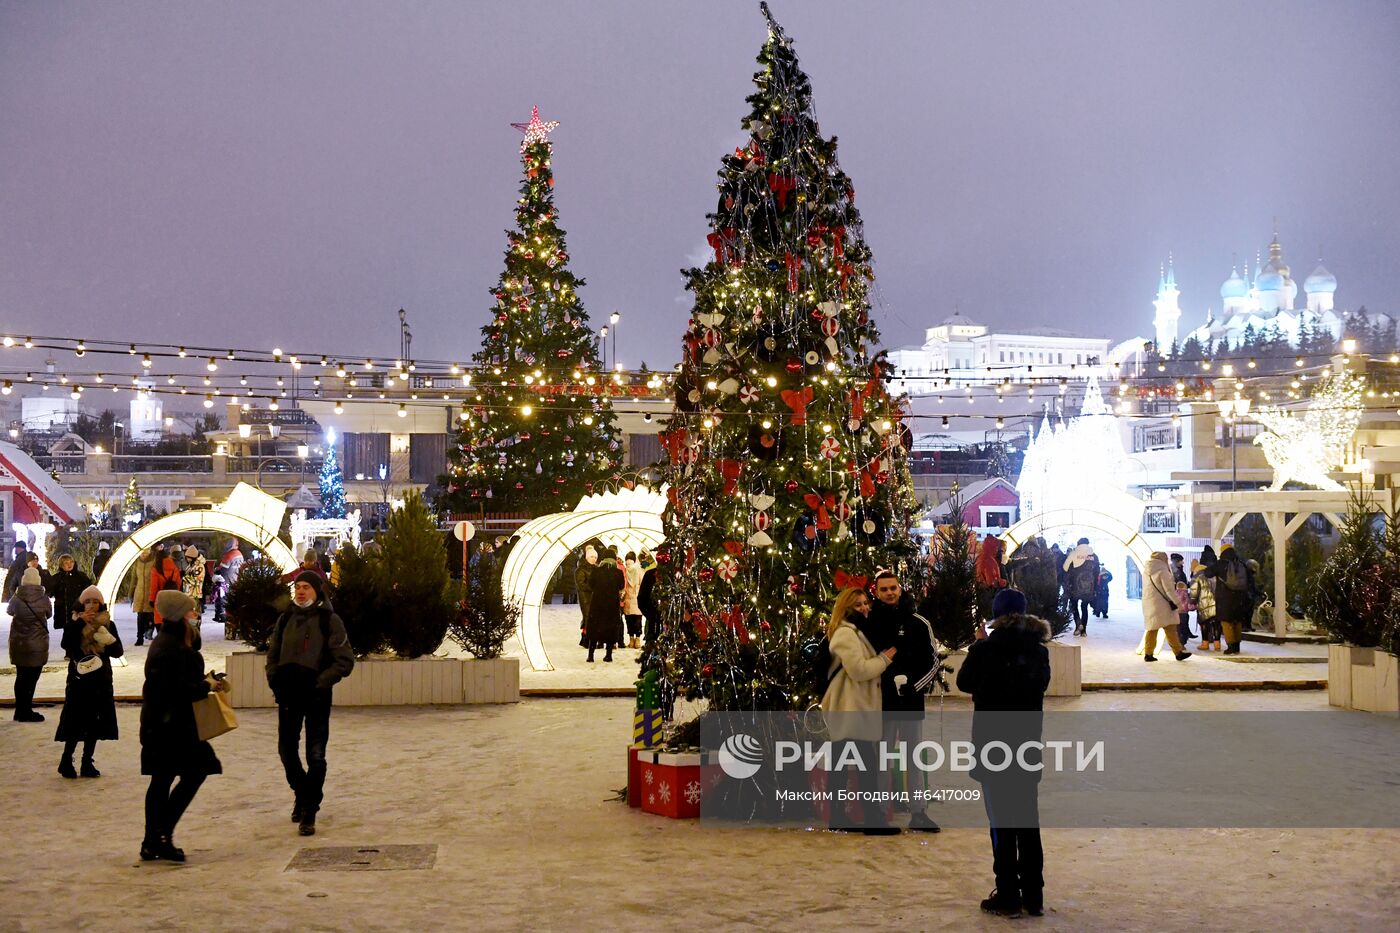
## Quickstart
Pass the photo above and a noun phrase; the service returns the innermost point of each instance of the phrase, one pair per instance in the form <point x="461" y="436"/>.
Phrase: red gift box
<point x="668" y="784"/>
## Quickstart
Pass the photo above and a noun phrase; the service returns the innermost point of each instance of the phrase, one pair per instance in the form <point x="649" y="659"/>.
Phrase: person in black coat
<point x="17" y="567"/>
<point x="307" y="655"/>
<point x="893" y="623"/>
<point x="605" y="605"/>
<point x="646" y="600"/>
<point x="1234" y="595"/>
<point x="89" y="708"/>
<point x="65" y="586"/>
<point x="1007" y="672"/>
<point x="99" y="563"/>
<point x="170" y="743"/>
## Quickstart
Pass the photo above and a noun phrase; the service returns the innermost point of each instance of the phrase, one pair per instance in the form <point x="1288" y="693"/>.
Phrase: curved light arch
<point x="629" y="520"/>
<point x="1122" y="532"/>
<point x="248" y="514"/>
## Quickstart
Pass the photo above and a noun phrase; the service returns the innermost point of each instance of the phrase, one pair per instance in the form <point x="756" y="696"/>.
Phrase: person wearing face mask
<point x="852" y="702"/>
<point x="171" y="749"/>
<point x="307" y="656"/>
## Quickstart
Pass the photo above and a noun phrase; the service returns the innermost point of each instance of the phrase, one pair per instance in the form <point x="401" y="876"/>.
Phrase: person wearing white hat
<point x="29" y="609"/>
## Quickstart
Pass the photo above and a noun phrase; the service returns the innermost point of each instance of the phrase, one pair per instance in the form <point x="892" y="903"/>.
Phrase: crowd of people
<point x="616" y="601"/>
<point x="1221" y="591"/>
<point x="308" y="654"/>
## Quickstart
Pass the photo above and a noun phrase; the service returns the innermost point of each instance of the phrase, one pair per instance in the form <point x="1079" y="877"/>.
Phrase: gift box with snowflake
<point x="667" y="783"/>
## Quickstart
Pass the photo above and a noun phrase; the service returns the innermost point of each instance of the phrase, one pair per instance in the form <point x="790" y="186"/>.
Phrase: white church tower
<point x="1168" y="308"/>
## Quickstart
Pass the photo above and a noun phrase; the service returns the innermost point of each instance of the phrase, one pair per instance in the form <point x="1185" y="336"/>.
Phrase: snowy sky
<point x="261" y="173"/>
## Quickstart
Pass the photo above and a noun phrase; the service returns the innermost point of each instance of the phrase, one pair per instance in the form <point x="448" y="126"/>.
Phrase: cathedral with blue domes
<point x="1256" y="306"/>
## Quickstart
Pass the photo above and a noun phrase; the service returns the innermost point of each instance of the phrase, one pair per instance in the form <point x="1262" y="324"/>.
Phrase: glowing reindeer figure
<point x="1306" y="448"/>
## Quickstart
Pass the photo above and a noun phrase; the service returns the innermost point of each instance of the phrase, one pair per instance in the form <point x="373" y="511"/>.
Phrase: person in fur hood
<point x="90" y="640"/>
<point x="1007" y="671"/>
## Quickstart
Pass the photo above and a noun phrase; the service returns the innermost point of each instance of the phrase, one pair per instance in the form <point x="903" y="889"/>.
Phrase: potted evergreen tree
<point x="1354" y="598"/>
<point x="406" y="589"/>
<point x="356" y="600"/>
<point x="255" y="602"/>
<point x="484" y="620"/>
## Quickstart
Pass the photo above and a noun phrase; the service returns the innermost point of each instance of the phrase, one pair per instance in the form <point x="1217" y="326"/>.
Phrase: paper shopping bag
<point x="213" y="716"/>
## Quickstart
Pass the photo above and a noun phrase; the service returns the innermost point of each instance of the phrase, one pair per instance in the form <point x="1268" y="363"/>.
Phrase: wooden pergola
<point x="1284" y="512"/>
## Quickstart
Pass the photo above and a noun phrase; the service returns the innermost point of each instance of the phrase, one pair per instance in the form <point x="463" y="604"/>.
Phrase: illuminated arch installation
<point x="1113" y="526"/>
<point x="629" y="520"/>
<point x="248" y="514"/>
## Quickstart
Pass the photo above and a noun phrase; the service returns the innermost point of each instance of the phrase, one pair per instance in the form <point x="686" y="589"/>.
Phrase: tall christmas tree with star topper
<point x="332" y="483"/>
<point x="785" y="450"/>
<point x="538" y="430"/>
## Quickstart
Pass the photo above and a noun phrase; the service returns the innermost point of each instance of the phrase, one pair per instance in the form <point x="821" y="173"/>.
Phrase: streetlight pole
<point x="603" y="333"/>
<point x="616" y="316"/>
<point x="1230" y="409"/>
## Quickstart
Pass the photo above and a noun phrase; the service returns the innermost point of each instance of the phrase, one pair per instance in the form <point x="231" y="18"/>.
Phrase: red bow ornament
<point x="845" y="580"/>
<point x="838" y="241"/>
<point x="722" y="242"/>
<point x="821" y="505"/>
<point x="673" y="442"/>
<point x="729" y="471"/>
<point x="846" y="270"/>
<point x="733" y="619"/>
<point x="782" y="185"/>
<point x="798" y="400"/>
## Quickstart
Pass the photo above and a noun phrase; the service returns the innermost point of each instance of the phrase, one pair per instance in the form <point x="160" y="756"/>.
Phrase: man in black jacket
<point x="307" y="656"/>
<point x="908" y="678"/>
<point x="1007" y="673"/>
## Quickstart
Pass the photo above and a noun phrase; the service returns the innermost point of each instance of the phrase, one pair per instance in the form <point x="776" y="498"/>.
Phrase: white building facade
<point x="960" y="351"/>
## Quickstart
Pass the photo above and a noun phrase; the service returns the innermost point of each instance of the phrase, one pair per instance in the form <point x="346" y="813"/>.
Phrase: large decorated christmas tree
<point x="785" y="449"/>
<point x="539" y="432"/>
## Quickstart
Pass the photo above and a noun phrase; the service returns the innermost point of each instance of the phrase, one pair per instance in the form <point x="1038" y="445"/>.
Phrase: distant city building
<point x="147" y="417"/>
<point x="960" y="351"/>
<point x="1259" y="305"/>
<point x="48" y="412"/>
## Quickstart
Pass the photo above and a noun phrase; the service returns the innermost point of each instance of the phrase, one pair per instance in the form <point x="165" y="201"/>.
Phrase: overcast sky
<point x="260" y="173"/>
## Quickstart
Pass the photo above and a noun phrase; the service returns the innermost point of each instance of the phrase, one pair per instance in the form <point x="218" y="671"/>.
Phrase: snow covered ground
<point x="1107" y="657"/>
<point x="516" y="799"/>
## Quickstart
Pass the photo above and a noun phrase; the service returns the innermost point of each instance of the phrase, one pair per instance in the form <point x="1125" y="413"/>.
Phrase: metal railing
<point x="62" y="463"/>
<point x="162" y="463"/>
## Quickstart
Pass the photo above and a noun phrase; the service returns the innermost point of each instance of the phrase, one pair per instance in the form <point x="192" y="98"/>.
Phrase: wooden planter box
<point x="496" y="680"/>
<point x="247" y="680"/>
<point x="1066" y="671"/>
<point x="373" y="682"/>
<point x="401" y="682"/>
<point x="1363" y="678"/>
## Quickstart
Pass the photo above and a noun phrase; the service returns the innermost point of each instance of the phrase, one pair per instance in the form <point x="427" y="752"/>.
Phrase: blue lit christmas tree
<point x="332" y="483"/>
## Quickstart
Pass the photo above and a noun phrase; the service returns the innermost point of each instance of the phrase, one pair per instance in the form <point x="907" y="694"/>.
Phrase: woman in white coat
<point x="853" y="703"/>
<point x="1159" y="608"/>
